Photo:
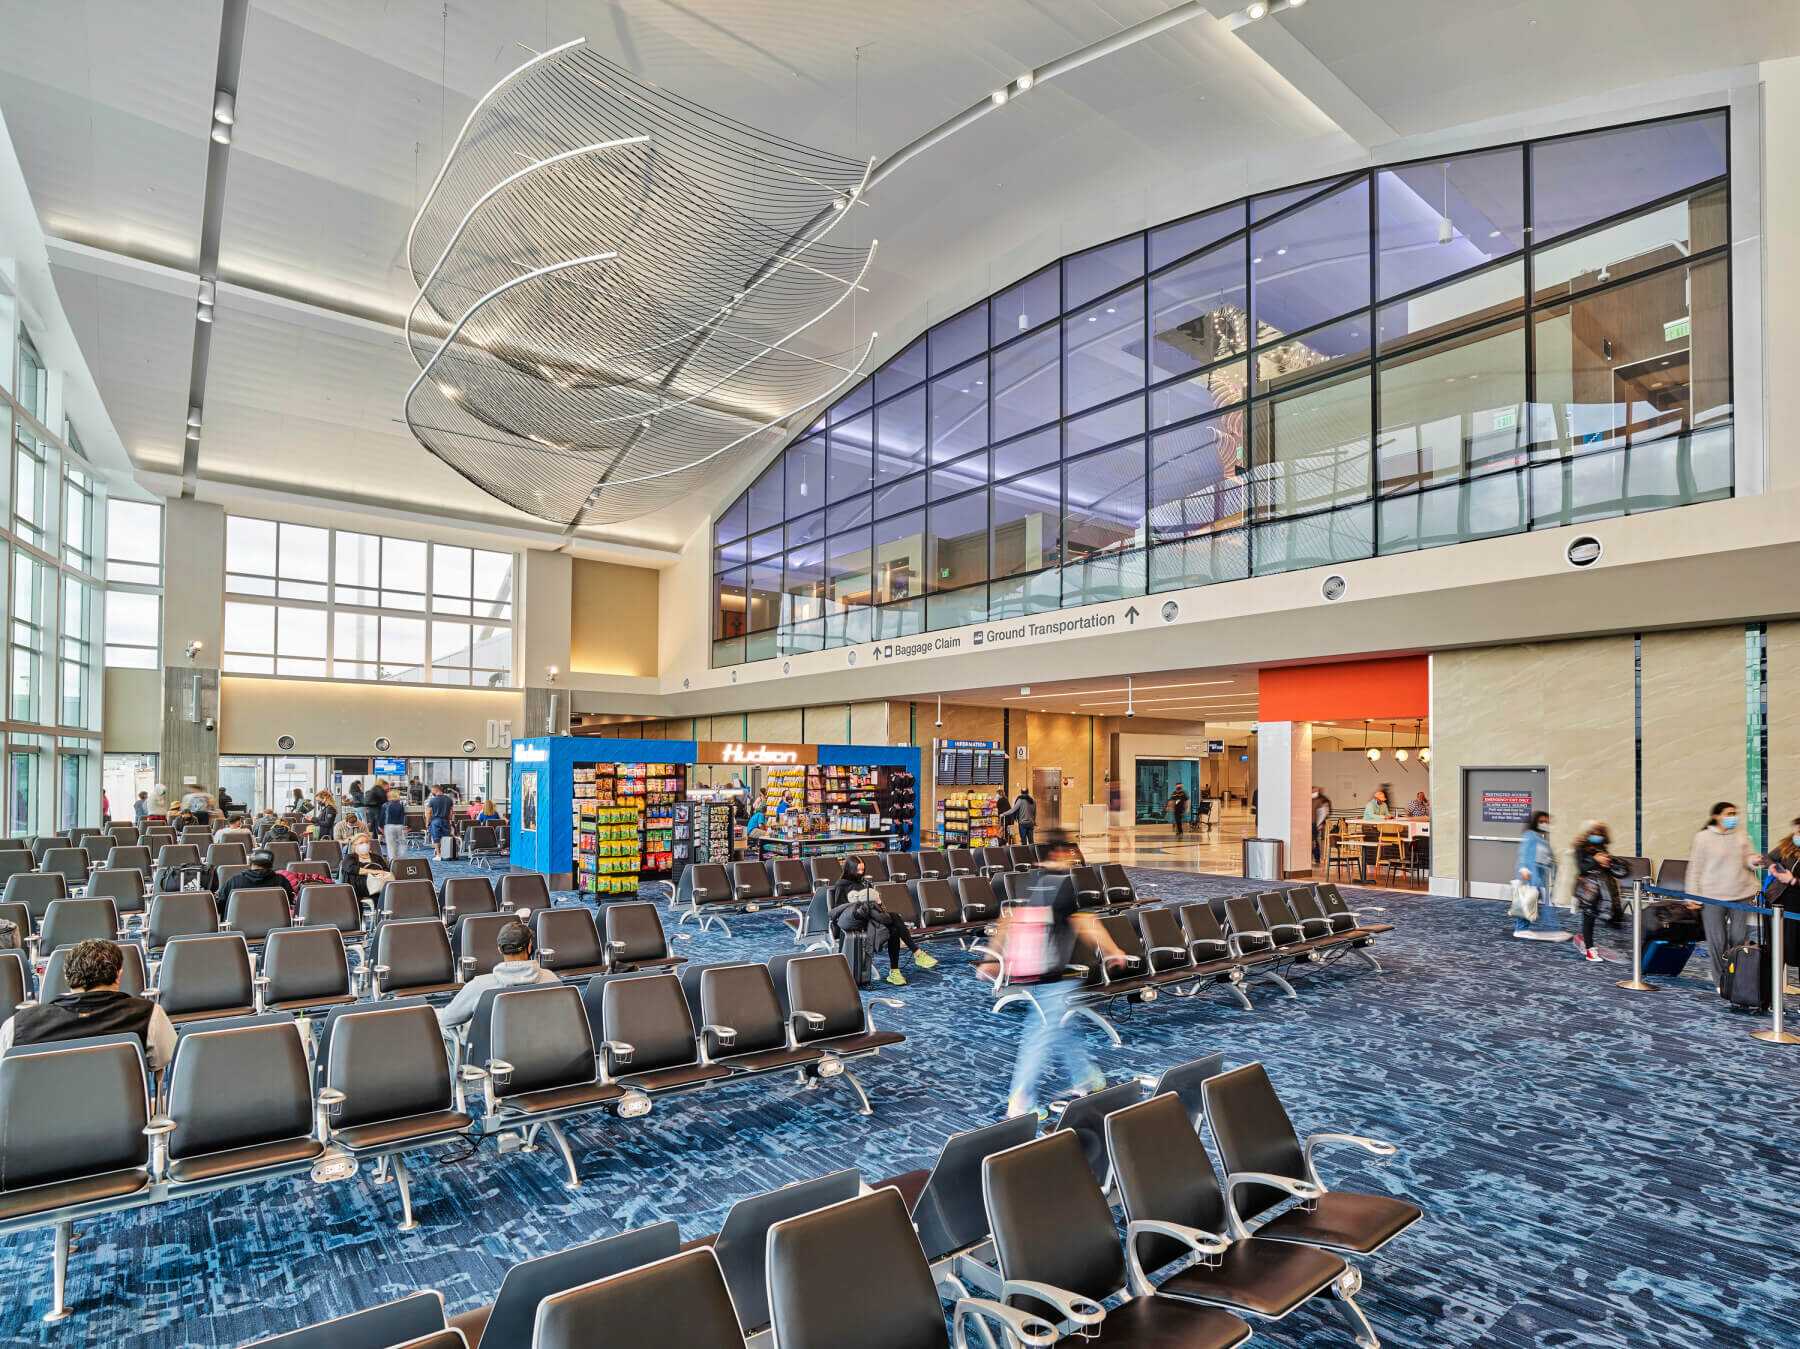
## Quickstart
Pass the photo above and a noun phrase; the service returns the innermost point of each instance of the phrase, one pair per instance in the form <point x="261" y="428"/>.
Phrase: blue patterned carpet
<point x="1598" y="1167"/>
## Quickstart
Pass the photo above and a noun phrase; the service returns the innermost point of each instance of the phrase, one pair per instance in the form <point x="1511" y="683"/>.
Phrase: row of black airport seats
<point x="1188" y="949"/>
<point x="244" y="1101"/>
<point x="1015" y="1230"/>
<point x="942" y="885"/>
<point x="260" y="955"/>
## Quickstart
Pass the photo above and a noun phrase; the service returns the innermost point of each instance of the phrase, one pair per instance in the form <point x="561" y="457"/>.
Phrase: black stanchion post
<point x="1637" y="983"/>
<point x="1778" y="1033"/>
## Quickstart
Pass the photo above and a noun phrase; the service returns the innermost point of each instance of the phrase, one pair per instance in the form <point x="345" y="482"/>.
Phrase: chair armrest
<point x="613" y="1054"/>
<point x="330" y="1102"/>
<point x="1085" y="1313"/>
<point x="1022" y="1327"/>
<point x="1316" y="1141"/>
<point x="158" y="1131"/>
<point x="465" y="967"/>
<point x="1235" y="941"/>
<point x="260" y="1000"/>
<point x="1171" y="951"/>
<point x="470" y="1072"/>
<point x="869" y="1020"/>
<point x="715" y="1038"/>
<point x="1197" y="1240"/>
<point x="811" y="1020"/>
<point x="999" y="959"/>
<point x="1295" y="928"/>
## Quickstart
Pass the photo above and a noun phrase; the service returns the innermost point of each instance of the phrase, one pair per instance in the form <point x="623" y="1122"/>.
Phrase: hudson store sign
<point x="738" y="752"/>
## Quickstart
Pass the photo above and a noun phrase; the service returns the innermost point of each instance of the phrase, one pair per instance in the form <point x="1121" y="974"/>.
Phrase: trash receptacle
<point x="1264" y="859"/>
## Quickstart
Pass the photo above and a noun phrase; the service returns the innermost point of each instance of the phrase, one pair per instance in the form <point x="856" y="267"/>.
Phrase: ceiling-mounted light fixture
<point x="221" y="132"/>
<point x="194" y="415"/>
<point x="224" y="107"/>
<point x="940" y="716"/>
<point x="1373" y="751"/>
<point x="1024" y="81"/>
<point x="998" y="97"/>
<point x="1257" y="10"/>
<point x="1129" y="710"/>
<point x="208" y="296"/>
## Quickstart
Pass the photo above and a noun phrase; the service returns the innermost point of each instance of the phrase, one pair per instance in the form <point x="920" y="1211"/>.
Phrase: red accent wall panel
<point x="1392" y="688"/>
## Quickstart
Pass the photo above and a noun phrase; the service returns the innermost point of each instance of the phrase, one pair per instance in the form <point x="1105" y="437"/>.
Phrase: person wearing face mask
<point x="1722" y="865"/>
<point x="1782" y="891"/>
<point x="1535" y="864"/>
<point x="363" y="869"/>
<point x="1597" y="876"/>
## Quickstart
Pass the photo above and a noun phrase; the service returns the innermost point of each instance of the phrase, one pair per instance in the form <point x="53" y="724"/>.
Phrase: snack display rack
<point x="969" y="820"/>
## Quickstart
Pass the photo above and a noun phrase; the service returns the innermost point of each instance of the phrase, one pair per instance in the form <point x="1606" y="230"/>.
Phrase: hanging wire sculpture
<point x="620" y="290"/>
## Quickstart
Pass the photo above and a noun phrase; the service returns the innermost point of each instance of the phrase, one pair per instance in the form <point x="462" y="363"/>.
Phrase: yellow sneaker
<point x="924" y="960"/>
<point x="896" y="978"/>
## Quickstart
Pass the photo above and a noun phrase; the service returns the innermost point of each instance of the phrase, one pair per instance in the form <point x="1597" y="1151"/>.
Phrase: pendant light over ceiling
<point x="1373" y="751"/>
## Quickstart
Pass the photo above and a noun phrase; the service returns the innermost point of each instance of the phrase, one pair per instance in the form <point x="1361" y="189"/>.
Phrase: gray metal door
<point x="1496" y="804"/>
<point x="1046" y="790"/>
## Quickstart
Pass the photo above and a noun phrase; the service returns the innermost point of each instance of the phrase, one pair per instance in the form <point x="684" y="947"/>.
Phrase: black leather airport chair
<point x="1671" y="874"/>
<point x="15" y="983"/>
<point x="994" y="861"/>
<point x="1187" y="1082"/>
<point x="1248" y="943"/>
<point x="1085" y="1117"/>
<point x="283" y="853"/>
<point x="1342" y="917"/>
<point x="37" y="890"/>
<point x="811" y="921"/>
<point x="69" y="863"/>
<point x="1281" y="922"/>
<point x="507" y="1322"/>
<point x="1090" y="890"/>
<point x="305" y="970"/>
<point x="1136" y="975"/>
<point x="241" y="1100"/>
<point x="825" y="1009"/>
<point x="42" y="845"/>
<point x="16" y="862"/>
<point x="826" y="871"/>
<point x="741" y="1022"/>
<point x="946" y="1203"/>
<point x="976" y="896"/>
<point x="21" y="917"/>
<point x="635" y="939"/>
<point x="528" y="890"/>
<point x="123" y="886"/>
<point x="482" y="846"/>
<point x="690" y="975"/>
<point x="793" y="883"/>
<point x="533" y="1051"/>
<point x="254" y="913"/>
<point x="901" y="866"/>
<point x="1188" y="965"/>
<point x="1023" y="857"/>
<point x="703" y="889"/>
<point x="1174" y="1208"/>
<point x="468" y="894"/>
<point x="1313" y="920"/>
<point x="478" y="942"/>
<point x="75" y="1116"/>
<point x="410" y="868"/>
<point x="325" y="850"/>
<point x="1016" y="886"/>
<point x="1116" y="884"/>
<point x="936" y="903"/>
<point x="681" y="1300"/>
<point x="406" y="1322"/>
<point x="815" y="1257"/>
<point x="742" y="1241"/>
<point x="220" y="854"/>
<point x="388" y="1088"/>
<point x="68" y="921"/>
<point x="402" y="901"/>
<point x="751" y="884"/>
<point x="1266" y="1164"/>
<point x="201" y="978"/>
<point x="173" y="857"/>
<point x="133" y="979"/>
<point x="875" y="865"/>
<point x="336" y="906"/>
<point x="1059" y="1255"/>
<point x="1205" y="938"/>
<point x="413" y="959"/>
<point x="568" y="942"/>
<point x="1350" y="939"/>
<point x="648" y="1042"/>
<point x="933" y="864"/>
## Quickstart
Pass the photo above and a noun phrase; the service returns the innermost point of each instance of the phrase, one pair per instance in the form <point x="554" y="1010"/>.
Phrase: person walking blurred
<point x="1536" y="863"/>
<point x="1597" y="876"/>
<point x="1722" y="865"/>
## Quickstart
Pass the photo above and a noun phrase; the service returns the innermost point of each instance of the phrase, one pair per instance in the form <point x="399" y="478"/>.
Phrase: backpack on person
<point x="1746" y="985"/>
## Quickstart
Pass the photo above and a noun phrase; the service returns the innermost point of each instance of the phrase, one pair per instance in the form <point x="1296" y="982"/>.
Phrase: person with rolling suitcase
<point x="437" y="824"/>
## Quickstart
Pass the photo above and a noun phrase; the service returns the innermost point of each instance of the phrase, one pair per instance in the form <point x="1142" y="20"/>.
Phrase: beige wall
<point x="328" y="718"/>
<point x="1567" y="705"/>
<point x="1073" y="744"/>
<point x="613" y="618"/>
<point x="1784" y="727"/>
<point x="1693" y="734"/>
<point x="132" y="711"/>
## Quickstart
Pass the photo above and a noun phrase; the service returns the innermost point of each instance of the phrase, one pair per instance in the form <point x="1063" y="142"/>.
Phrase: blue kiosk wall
<point x="543" y="787"/>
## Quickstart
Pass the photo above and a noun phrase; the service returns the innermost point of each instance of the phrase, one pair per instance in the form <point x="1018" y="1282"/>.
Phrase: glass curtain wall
<point x="51" y="540"/>
<point x="332" y="604"/>
<point x="1415" y="355"/>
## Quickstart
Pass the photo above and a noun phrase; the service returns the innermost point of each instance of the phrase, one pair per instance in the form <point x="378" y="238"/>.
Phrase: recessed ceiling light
<point x="1493" y="234"/>
<point x="1255" y="259"/>
<point x="998" y="96"/>
<point x="1281" y="252"/>
<point x="221" y="132"/>
<point x="224" y="107"/>
<point x="1257" y="10"/>
<point x="1025" y="81"/>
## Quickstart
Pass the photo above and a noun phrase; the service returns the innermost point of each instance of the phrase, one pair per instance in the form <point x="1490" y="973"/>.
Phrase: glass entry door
<point x="1156" y="779"/>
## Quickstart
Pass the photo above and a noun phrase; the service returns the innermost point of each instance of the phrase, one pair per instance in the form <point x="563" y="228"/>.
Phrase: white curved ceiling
<point x="345" y="109"/>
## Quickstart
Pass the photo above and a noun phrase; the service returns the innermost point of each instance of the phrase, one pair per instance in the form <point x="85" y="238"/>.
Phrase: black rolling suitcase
<point x="1747" y="986"/>
<point x="858" y="948"/>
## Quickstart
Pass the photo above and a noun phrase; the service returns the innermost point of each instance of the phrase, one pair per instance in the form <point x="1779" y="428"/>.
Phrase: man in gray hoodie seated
<point x="519" y="969"/>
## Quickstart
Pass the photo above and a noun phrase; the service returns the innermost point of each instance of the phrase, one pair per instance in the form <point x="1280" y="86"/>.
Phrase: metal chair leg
<point x="407" y="1221"/>
<point x="1100" y="1021"/>
<point x="862" y="1096"/>
<point x="1360" y="1329"/>
<point x="561" y="1142"/>
<point x="59" y="1304"/>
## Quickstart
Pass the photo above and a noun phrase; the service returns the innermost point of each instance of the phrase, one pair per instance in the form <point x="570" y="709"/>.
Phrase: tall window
<point x="27" y="635"/>
<point x="30" y="493"/>
<point x="75" y="657"/>
<point x="78" y="515"/>
<point x="133" y="574"/>
<point x="1421" y="354"/>
<point x="324" y="603"/>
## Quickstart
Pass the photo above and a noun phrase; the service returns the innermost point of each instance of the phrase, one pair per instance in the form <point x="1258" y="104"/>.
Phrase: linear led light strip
<point x="1089" y="693"/>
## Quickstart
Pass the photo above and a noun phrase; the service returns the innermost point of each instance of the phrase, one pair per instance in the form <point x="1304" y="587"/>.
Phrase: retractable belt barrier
<point x="1777" y="1033"/>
